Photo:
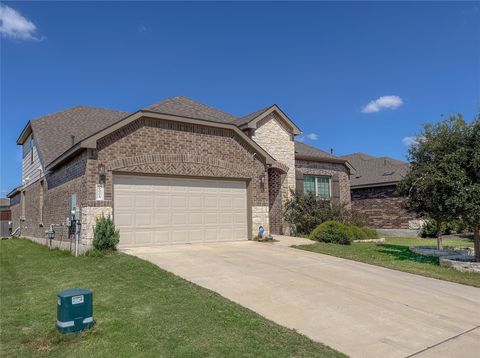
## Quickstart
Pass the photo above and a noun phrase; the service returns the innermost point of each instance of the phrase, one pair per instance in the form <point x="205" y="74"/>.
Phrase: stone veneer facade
<point x="381" y="207"/>
<point x="276" y="138"/>
<point x="145" y="146"/>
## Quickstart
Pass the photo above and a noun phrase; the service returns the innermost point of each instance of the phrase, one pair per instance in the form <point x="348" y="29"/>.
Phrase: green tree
<point x="472" y="205"/>
<point x="435" y="185"/>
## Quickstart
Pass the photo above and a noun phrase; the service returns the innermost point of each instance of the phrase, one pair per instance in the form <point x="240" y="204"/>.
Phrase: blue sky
<point x="354" y="76"/>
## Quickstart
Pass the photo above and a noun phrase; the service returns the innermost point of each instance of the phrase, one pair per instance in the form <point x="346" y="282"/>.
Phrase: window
<point x="318" y="185"/>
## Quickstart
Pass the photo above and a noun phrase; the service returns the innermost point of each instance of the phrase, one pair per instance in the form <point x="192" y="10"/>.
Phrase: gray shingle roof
<point x="304" y="150"/>
<point x="249" y="117"/>
<point x="53" y="132"/>
<point x="186" y="107"/>
<point x="374" y="171"/>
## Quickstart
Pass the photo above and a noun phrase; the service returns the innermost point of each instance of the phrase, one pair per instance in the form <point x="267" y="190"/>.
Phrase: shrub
<point x="362" y="233"/>
<point x="371" y="234"/>
<point x="357" y="233"/>
<point x="346" y="215"/>
<point x="333" y="232"/>
<point x="429" y="228"/>
<point x="305" y="212"/>
<point x="105" y="237"/>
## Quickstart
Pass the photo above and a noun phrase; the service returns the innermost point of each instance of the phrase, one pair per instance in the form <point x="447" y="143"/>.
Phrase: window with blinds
<point x="318" y="185"/>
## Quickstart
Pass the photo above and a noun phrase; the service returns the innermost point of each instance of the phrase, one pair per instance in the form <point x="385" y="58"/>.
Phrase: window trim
<point x="316" y="186"/>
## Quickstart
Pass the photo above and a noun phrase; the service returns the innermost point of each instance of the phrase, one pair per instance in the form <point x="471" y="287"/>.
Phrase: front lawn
<point x="395" y="254"/>
<point x="140" y="310"/>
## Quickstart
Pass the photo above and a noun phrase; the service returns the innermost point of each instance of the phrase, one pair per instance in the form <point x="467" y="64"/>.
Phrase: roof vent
<point x="73" y="139"/>
<point x="388" y="173"/>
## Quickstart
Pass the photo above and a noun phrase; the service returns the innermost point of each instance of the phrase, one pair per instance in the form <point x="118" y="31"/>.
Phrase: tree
<point x="435" y="184"/>
<point x="472" y="206"/>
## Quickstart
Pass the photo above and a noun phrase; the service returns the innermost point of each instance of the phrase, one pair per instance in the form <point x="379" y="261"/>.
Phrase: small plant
<point x="105" y="237"/>
<point x="332" y="232"/>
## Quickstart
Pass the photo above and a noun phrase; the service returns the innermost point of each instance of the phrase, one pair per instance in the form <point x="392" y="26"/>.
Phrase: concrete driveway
<point x="358" y="309"/>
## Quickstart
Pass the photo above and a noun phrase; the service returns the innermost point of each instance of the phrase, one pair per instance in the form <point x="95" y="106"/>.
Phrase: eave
<point x="27" y="130"/>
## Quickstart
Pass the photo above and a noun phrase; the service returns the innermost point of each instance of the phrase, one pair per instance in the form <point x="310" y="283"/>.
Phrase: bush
<point x="371" y="234"/>
<point x="105" y="237"/>
<point x="429" y="228"/>
<point x="305" y="212"/>
<point x="333" y="232"/>
<point x="357" y="233"/>
<point x="362" y="233"/>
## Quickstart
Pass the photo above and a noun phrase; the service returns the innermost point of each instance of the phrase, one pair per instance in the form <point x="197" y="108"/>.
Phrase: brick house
<point x="176" y="171"/>
<point x="373" y="186"/>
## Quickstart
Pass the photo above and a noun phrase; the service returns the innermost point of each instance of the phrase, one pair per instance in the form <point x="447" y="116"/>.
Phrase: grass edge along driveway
<point x="140" y="309"/>
<point x="395" y="254"/>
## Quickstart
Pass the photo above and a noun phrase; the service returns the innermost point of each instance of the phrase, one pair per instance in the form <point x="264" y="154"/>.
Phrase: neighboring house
<point x="176" y="171"/>
<point x="5" y="217"/>
<point x="373" y="186"/>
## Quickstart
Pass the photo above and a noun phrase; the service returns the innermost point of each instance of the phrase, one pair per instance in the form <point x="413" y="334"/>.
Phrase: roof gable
<point x="53" y="133"/>
<point x="251" y="120"/>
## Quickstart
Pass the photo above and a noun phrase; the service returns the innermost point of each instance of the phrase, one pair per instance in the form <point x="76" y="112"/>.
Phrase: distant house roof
<point x="375" y="171"/>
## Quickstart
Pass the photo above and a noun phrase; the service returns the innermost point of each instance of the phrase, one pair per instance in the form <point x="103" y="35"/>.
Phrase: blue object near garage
<point x="74" y="310"/>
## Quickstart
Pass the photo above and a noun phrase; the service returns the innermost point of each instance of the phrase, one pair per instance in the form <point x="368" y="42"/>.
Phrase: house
<point x="5" y="217"/>
<point x="177" y="171"/>
<point x="373" y="187"/>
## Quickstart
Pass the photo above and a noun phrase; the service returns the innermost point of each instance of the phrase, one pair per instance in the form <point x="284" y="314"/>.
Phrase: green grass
<point x="395" y="254"/>
<point x="140" y="310"/>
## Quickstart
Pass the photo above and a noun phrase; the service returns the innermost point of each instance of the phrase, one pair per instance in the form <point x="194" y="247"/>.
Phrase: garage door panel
<point x="195" y="218"/>
<point x="143" y="201"/>
<point x="161" y="219"/>
<point x="162" y="201"/>
<point x="195" y="202"/>
<point x="161" y="237"/>
<point x="159" y="210"/>
<point x="179" y="236"/>
<point x="179" y="219"/>
<point x="179" y="202"/>
<point x="211" y="218"/>
<point x="124" y="219"/>
<point x="143" y="219"/>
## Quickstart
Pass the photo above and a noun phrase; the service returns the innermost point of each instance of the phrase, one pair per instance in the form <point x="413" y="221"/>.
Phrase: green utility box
<point x="74" y="310"/>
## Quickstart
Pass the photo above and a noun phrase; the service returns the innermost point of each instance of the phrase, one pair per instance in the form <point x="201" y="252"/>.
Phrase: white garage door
<point x="154" y="210"/>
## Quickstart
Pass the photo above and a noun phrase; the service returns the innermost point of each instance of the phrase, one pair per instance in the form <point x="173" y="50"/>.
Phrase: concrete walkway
<point x="359" y="309"/>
